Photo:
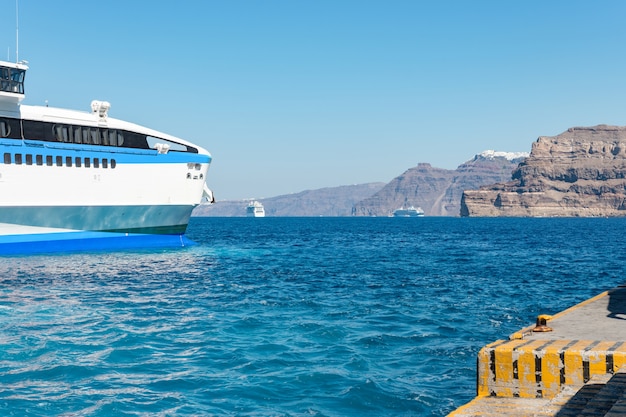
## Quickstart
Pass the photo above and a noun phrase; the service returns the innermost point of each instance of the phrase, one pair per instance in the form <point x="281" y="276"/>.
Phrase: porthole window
<point x="113" y="163"/>
<point x="29" y="159"/>
<point x="77" y="161"/>
<point x="7" y="158"/>
<point x="87" y="162"/>
<point x="39" y="159"/>
<point x="105" y="163"/>
<point x="96" y="163"/>
<point x="49" y="160"/>
<point x="59" y="161"/>
<point x="68" y="161"/>
<point x="18" y="158"/>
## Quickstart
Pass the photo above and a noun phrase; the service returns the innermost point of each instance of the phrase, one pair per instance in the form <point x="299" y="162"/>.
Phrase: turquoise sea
<point x="289" y="316"/>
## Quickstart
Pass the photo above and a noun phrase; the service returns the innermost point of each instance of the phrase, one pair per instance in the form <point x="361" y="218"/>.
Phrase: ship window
<point x="17" y="80"/>
<point x="104" y="137"/>
<point x="87" y="162"/>
<point x="77" y="161"/>
<point x="105" y="163"/>
<point x="10" y="128"/>
<point x="59" y="161"/>
<point x="4" y="79"/>
<point x="29" y="159"/>
<point x="62" y="133"/>
<point x="95" y="136"/>
<point x="33" y="130"/>
<point x="173" y="146"/>
<point x="18" y="158"/>
<point x="39" y="159"/>
<point x="49" y="160"/>
<point x="7" y="158"/>
<point x="12" y="80"/>
<point x="5" y="129"/>
<point x="96" y="163"/>
<point x="104" y="133"/>
<point x="134" y="140"/>
<point x="112" y="137"/>
<point x="78" y="134"/>
<point x="68" y="161"/>
<point x="113" y="163"/>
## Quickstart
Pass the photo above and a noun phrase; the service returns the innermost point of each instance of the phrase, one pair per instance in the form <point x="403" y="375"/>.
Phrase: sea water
<point x="289" y="316"/>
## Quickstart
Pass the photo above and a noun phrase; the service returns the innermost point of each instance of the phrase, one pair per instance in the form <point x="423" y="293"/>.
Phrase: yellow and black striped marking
<point x="538" y="368"/>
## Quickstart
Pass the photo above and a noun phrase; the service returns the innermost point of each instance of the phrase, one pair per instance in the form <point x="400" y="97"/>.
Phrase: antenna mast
<point x="17" y="34"/>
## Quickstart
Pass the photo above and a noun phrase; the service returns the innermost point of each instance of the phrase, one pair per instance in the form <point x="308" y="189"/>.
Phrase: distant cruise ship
<point x="409" y="212"/>
<point x="73" y="180"/>
<point x="255" y="209"/>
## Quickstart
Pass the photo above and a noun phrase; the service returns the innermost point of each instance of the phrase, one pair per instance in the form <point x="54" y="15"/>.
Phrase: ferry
<point x="81" y="180"/>
<point x="409" y="212"/>
<point x="255" y="209"/>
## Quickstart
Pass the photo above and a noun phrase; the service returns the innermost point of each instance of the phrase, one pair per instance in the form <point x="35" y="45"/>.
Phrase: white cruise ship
<point x="255" y="209"/>
<point x="409" y="212"/>
<point x="72" y="180"/>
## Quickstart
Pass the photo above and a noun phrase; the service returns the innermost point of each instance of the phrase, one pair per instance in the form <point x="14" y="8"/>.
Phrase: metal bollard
<point x="542" y="326"/>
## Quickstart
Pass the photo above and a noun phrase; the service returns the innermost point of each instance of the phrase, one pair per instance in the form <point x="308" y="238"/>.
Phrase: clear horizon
<point x="291" y="96"/>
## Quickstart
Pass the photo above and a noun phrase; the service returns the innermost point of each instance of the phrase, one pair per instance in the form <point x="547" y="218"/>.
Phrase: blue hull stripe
<point x="87" y="241"/>
<point x="121" y="155"/>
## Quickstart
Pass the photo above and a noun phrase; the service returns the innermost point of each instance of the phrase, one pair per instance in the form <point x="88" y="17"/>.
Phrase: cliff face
<point x="579" y="173"/>
<point x="438" y="191"/>
<point x="420" y="186"/>
<point x="334" y="201"/>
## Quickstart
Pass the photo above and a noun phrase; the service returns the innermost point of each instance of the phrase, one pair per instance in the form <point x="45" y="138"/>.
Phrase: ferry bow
<point x="72" y="180"/>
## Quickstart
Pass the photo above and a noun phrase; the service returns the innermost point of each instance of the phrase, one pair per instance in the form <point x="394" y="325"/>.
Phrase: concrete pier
<point x="569" y="364"/>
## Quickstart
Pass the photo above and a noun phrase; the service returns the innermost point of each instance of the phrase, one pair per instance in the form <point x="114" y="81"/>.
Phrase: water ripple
<point x="289" y="317"/>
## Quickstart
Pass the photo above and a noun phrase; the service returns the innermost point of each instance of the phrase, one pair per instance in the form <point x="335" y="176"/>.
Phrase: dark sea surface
<point x="289" y="316"/>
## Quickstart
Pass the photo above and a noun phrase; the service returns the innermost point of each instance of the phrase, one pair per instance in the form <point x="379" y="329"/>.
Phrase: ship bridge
<point x="12" y="81"/>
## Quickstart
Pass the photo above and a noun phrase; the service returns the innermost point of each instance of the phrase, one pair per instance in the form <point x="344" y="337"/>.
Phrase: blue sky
<point x="296" y="95"/>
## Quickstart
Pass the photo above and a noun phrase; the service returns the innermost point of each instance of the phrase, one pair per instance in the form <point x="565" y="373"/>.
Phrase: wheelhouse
<point x="12" y="79"/>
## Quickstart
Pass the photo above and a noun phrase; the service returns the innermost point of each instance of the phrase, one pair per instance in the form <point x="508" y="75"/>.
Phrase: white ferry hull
<point x="150" y="198"/>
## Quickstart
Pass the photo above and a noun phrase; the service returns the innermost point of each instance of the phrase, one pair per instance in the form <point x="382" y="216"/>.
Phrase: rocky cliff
<point x="581" y="173"/>
<point x="438" y="191"/>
